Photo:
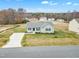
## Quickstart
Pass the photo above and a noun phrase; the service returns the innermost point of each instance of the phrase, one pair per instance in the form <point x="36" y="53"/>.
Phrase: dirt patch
<point x="61" y="26"/>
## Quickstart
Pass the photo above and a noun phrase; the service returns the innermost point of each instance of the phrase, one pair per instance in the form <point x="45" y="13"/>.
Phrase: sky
<point x="41" y="5"/>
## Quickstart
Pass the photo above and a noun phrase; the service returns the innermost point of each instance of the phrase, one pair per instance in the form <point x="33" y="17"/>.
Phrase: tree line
<point x="65" y="16"/>
<point x="12" y="16"/>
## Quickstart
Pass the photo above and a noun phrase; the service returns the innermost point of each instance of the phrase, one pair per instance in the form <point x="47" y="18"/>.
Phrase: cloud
<point x="53" y="4"/>
<point x="47" y="10"/>
<point x="69" y="3"/>
<point x="75" y="4"/>
<point x="45" y="2"/>
<point x="49" y="3"/>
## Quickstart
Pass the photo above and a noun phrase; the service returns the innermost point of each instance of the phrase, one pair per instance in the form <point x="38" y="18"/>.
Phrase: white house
<point x="40" y="27"/>
<point x="43" y="19"/>
<point x="60" y="20"/>
<point x="74" y="25"/>
<point x="51" y="19"/>
<point x="32" y="19"/>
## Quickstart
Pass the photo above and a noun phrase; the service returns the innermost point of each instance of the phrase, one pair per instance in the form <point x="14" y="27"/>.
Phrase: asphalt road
<point x="41" y="52"/>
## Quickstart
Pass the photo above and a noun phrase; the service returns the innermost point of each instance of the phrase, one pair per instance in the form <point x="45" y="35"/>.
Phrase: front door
<point x="33" y="29"/>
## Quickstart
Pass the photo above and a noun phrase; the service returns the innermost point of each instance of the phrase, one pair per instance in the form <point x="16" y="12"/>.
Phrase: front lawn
<point x="58" y="38"/>
<point x="5" y="35"/>
<point x="21" y="28"/>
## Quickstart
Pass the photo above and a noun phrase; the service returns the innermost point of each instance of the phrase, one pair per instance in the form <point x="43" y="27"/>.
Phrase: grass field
<point x="4" y="36"/>
<point x="61" y="37"/>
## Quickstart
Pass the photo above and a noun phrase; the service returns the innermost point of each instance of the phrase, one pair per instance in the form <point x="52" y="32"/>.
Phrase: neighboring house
<point x="74" y="25"/>
<point x="26" y="18"/>
<point x="32" y="19"/>
<point x="60" y="20"/>
<point x="51" y="19"/>
<point x="43" y="19"/>
<point x="40" y="27"/>
<point x="40" y="19"/>
<point x="57" y="21"/>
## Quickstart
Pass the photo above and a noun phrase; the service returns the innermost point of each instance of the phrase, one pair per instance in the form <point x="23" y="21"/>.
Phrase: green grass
<point x="4" y="36"/>
<point x="57" y="38"/>
<point x="57" y="34"/>
<point x="3" y="41"/>
<point x="20" y="29"/>
<point x="62" y="34"/>
<point x="24" y="42"/>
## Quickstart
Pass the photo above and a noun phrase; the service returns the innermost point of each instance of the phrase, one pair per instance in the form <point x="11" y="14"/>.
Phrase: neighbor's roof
<point x="77" y="19"/>
<point x="38" y="24"/>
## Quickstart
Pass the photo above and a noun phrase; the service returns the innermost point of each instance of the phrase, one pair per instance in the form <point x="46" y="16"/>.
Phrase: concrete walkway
<point x="15" y="40"/>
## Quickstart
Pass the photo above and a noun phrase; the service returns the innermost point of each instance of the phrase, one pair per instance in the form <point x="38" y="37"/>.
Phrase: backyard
<point x="61" y="37"/>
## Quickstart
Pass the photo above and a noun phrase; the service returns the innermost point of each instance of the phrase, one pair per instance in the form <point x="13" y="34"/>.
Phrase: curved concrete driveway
<point x="15" y="40"/>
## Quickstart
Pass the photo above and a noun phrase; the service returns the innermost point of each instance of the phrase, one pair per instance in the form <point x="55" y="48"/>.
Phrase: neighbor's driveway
<point x="15" y="40"/>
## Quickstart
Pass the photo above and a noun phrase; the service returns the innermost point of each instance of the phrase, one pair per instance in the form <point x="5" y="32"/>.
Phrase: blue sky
<point x="41" y="5"/>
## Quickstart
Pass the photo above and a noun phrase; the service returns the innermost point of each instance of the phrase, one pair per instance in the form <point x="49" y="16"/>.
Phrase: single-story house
<point x="32" y="19"/>
<point x="74" y="25"/>
<point x="43" y="19"/>
<point x="60" y="20"/>
<point x="57" y="21"/>
<point x="40" y="27"/>
<point x="51" y="19"/>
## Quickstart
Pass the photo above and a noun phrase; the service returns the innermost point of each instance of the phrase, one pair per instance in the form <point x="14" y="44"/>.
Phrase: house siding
<point x="40" y="27"/>
<point x="43" y="30"/>
<point x="74" y="26"/>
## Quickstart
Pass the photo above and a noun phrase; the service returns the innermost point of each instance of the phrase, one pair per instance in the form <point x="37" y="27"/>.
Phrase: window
<point x="48" y="29"/>
<point x="29" y="28"/>
<point x="38" y="28"/>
